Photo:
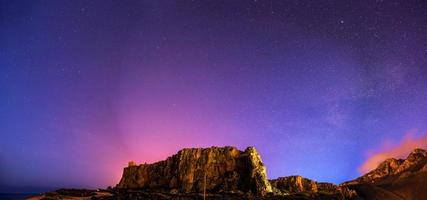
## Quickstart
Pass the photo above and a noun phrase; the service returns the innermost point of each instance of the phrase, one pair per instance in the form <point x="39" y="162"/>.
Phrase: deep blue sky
<point x="86" y="86"/>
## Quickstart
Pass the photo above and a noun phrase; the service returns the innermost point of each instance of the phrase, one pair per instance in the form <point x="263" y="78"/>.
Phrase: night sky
<point x="316" y="86"/>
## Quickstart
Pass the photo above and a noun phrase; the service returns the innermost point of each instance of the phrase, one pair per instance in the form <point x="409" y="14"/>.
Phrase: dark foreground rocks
<point x="124" y="194"/>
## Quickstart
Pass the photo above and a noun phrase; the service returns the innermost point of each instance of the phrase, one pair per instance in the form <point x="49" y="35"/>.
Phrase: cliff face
<point x="194" y="169"/>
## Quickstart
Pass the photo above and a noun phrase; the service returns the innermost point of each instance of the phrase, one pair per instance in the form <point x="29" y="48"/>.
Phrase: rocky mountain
<point x="395" y="179"/>
<point x="397" y="168"/>
<point x="195" y="170"/>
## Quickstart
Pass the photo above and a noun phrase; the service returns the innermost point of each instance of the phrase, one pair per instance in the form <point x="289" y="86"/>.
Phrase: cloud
<point x="388" y="150"/>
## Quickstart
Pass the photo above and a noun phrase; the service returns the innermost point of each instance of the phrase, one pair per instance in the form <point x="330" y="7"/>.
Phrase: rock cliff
<point x="215" y="169"/>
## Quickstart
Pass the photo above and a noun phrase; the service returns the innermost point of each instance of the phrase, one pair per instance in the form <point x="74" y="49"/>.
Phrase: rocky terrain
<point x="196" y="170"/>
<point x="395" y="179"/>
<point x="299" y="185"/>
<point x="228" y="173"/>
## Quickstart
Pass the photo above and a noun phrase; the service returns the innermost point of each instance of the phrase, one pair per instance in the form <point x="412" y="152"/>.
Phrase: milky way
<point x="86" y="86"/>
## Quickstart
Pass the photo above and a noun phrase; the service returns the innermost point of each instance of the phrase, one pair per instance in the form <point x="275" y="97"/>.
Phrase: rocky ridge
<point x="298" y="184"/>
<point x="416" y="162"/>
<point x="195" y="170"/>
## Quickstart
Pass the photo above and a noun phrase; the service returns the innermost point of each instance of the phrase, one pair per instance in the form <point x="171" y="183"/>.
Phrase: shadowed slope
<point x="395" y="179"/>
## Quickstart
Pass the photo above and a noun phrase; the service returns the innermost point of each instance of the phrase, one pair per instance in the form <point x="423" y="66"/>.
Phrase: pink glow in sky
<point x="86" y="86"/>
<point x="389" y="150"/>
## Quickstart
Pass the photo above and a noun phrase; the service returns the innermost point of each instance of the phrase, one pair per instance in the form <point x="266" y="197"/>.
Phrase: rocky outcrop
<point x="193" y="170"/>
<point x="394" y="168"/>
<point x="292" y="184"/>
<point x="395" y="179"/>
<point x="327" y="187"/>
<point x="257" y="172"/>
<point x="298" y="184"/>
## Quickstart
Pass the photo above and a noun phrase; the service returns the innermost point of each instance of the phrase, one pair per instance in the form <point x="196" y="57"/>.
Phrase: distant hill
<point x="395" y="179"/>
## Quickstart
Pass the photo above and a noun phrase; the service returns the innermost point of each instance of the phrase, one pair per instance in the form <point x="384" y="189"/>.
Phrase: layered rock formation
<point x="214" y="169"/>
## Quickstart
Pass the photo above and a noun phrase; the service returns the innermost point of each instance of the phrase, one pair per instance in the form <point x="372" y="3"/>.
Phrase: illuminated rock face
<point x="298" y="184"/>
<point x="415" y="163"/>
<point x="294" y="184"/>
<point x="216" y="169"/>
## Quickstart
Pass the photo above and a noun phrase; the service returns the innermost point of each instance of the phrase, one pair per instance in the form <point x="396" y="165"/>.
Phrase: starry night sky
<point x="86" y="86"/>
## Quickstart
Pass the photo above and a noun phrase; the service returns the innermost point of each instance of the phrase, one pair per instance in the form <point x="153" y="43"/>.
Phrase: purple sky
<point x="86" y="86"/>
